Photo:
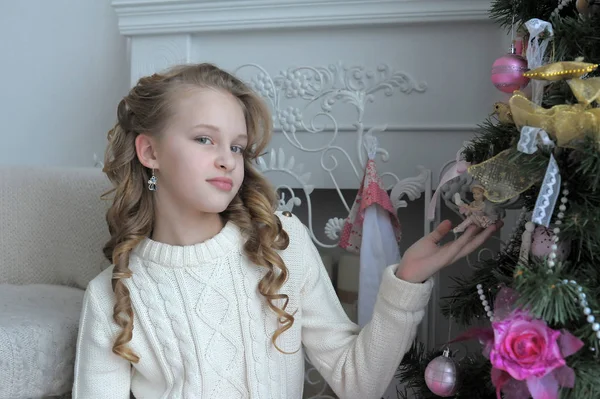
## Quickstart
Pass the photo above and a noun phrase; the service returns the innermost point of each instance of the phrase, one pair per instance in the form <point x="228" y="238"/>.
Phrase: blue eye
<point x="237" y="149"/>
<point x="204" y="140"/>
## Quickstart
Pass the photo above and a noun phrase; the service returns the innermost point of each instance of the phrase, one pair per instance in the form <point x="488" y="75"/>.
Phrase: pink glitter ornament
<point x="441" y="375"/>
<point x="507" y="72"/>
<point x="541" y="244"/>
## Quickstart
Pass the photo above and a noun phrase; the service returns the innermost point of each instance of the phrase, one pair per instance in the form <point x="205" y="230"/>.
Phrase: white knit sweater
<point x="203" y="330"/>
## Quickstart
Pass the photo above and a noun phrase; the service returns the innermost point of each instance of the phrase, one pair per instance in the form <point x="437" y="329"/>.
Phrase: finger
<point x="477" y="241"/>
<point x="440" y="231"/>
<point x="481" y="238"/>
<point x="452" y="249"/>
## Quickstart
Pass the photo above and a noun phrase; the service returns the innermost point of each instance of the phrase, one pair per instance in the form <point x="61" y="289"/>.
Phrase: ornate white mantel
<point x="142" y="17"/>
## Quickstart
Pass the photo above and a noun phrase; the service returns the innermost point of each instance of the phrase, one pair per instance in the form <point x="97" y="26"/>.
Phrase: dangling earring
<point x="152" y="182"/>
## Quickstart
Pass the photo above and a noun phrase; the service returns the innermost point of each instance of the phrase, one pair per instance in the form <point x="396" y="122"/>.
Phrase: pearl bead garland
<point x="562" y="208"/>
<point x="561" y="4"/>
<point x="484" y="302"/>
<point x="591" y="319"/>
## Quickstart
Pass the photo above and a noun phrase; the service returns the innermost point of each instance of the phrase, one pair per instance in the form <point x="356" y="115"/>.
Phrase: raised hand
<point x="426" y="257"/>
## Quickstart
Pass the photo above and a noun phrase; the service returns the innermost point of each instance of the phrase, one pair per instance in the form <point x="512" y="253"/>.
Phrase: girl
<point x="212" y="294"/>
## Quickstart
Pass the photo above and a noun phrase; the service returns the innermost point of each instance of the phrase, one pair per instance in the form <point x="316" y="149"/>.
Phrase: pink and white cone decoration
<point x="372" y="230"/>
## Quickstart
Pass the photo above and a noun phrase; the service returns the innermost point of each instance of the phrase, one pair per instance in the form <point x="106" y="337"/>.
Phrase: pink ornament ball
<point x="441" y="376"/>
<point x="541" y="244"/>
<point x="507" y="73"/>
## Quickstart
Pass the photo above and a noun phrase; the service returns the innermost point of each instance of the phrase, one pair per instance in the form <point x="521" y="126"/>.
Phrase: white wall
<point x="64" y="68"/>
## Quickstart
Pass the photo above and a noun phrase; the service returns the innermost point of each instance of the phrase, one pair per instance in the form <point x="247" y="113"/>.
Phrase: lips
<point x="222" y="183"/>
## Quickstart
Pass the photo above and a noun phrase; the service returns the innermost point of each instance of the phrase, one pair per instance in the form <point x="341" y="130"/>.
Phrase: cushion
<point x="38" y="334"/>
<point x="52" y="225"/>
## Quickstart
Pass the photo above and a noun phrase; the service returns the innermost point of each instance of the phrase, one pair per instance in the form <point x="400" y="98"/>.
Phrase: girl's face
<point x="199" y="155"/>
<point x="477" y="194"/>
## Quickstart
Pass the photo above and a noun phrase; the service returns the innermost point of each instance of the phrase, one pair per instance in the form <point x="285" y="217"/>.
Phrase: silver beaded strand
<point x="587" y="311"/>
<point x="561" y="4"/>
<point x="560" y="216"/>
<point x="484" y="302"/>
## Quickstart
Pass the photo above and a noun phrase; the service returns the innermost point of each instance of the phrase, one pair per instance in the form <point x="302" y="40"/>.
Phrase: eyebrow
<point x="216" y="129"/>
<point x="206" y="126"/>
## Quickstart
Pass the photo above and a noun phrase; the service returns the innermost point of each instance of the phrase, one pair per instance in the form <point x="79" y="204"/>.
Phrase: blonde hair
<point x="146" y="109"/>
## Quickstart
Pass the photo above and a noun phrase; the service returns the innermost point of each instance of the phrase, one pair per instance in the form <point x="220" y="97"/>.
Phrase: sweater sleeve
<point x="99" y="373"/>
<point x="358" y="364"/>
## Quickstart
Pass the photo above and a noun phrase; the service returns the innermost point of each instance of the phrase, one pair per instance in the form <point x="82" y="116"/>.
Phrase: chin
<point x="214" y="206"/>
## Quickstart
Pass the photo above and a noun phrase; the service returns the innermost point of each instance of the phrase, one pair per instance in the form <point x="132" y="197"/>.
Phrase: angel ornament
<point x="480" y="211"/>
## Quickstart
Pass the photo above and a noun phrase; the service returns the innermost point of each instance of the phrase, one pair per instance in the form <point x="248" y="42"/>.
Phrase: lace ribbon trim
<point x="546" y="200"/>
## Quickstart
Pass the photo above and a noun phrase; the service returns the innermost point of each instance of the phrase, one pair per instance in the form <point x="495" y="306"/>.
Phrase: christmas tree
<point x="541" y="293"/>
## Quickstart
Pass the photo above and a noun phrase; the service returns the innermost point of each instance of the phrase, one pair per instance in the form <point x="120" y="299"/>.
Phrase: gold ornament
<point x="588" y="8"/>
<point x="585" y="90"/>
<point x="502" y="112"/>
<point x="565" y="123"/>
<point x="561" y="70"/>
<point x="502" y="178"/>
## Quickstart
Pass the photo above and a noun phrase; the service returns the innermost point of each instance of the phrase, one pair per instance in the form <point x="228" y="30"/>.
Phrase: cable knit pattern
<point x="158" y="306"/>
<point x="218" y="315"/>
<point x="202" y="329"/>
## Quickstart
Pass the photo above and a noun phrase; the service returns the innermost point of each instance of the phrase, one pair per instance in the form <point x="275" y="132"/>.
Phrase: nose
<point x="225" y="160"/>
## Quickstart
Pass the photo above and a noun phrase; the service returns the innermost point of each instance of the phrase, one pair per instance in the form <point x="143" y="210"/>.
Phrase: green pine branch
<point x="502" y="11"/>
<point x="548" y="297"/>
<point x="490" y="139"/>
<point x="575" y="36"/>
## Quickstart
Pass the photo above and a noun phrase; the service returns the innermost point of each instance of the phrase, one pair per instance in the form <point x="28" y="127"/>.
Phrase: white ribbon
<point x="546" y="200"/>
<point x="531" y="137"/>
<point x="535" y="53"/>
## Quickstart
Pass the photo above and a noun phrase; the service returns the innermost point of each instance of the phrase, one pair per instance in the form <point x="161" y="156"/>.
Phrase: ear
<point x="145" y="148"/>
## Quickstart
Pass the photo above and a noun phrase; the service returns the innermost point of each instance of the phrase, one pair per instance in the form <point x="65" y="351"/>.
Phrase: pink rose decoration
<point x="525" y="347"/>
<point x="528" y="357"/>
